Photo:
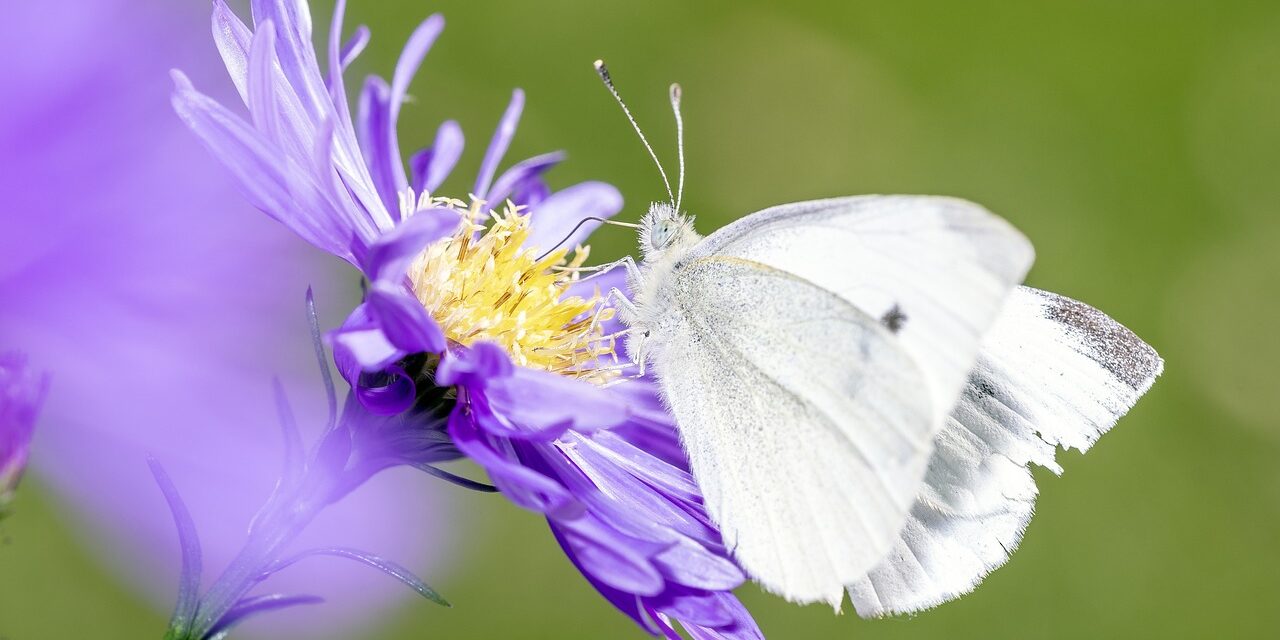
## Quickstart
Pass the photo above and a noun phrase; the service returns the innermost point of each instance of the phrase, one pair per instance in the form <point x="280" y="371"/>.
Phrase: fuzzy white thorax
<point x="666" y="237"/>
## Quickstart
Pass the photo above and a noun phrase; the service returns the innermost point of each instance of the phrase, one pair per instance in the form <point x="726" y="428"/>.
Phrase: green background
<point x="1136" y="143"/>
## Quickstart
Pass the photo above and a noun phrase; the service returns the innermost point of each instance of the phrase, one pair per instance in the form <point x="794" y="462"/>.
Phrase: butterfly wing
<point x="1052" y="372"/>
<point x="815" y="351"/>
<point x="802" y="419"/>
<point x="938" y="268"/>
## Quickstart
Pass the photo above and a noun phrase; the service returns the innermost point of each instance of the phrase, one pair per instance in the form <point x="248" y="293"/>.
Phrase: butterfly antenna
<point x="603" y="72"/>
<point x="675" y="108"/>
<point x="579" y="226"/>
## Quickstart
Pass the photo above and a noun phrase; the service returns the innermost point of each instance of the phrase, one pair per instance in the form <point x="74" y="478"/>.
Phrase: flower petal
<point x="354" y="47"/>
<point x="498" y="145"/>
<point x="402" y="319"/>
<point x="529" y="193"/>
<point x="232" y="38"/>
<point x="376" y="134"/>
<point x="526" y="403"/>
<point x="520" y="174"/>
<point x="359" y="345"/>
<point x="633" y="500"/>
<point x="415" y="50"/>
<point x="432" y="165"/>
<point x="543" y="403"/>
<point x="555" y="217"/>
<point x="694" y="606"/>
<point x="389" y="256"/>
<point x="387" y="392"/>
<point x="691" y="565"/>
<point x="291" y="20"/>
<point x="472" y="366"/>
<point x="271" y="181"/>
<point x="521" y="484"/>
<point x="608" y="556"/>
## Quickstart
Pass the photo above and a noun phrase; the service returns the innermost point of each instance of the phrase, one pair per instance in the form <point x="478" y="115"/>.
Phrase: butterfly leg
<point x="626" y="262"/>
<point x="612" y="339"/>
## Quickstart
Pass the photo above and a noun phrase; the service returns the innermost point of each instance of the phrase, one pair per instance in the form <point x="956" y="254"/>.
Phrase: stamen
<point x="483" y="284"/>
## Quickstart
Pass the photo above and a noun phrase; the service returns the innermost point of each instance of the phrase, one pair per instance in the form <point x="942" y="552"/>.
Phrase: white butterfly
<point x="860" y="385"/>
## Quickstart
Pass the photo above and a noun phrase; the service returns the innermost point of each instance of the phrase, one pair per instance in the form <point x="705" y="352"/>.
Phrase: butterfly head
<point x="664" y="228"/>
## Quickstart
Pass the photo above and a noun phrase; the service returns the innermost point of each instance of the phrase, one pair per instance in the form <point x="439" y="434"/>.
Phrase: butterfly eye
<point x="661" y="235"/>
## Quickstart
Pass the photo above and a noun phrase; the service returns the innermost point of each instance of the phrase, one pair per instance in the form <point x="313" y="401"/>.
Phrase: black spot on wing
<point x="1116" y="348"/>
<point x="980" y="387"/>
<point x="894" y="319"/>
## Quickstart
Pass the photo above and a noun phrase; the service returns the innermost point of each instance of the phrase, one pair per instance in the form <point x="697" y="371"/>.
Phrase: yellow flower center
<point x="492" y="288"/>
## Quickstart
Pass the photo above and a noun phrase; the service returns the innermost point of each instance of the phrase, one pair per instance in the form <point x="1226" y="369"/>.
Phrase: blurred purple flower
<point x="515" y="338"/>
<point x="355" y="446"/>
<point x="128" y="272"/>
<point x="22" y="392"/>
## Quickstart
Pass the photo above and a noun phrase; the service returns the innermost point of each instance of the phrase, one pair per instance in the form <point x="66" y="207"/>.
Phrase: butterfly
<point x="861" y="385"/>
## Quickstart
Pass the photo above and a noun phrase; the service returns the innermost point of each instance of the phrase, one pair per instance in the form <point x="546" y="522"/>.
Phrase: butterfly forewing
<point x="936" y="270"/>
<point x="806" y="422"/>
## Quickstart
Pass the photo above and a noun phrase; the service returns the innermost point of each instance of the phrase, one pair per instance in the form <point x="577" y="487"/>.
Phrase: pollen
<point x="484" y="284"/>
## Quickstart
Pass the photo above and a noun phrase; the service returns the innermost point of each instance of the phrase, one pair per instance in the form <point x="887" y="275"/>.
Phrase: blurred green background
<point x="1136" y="143"/>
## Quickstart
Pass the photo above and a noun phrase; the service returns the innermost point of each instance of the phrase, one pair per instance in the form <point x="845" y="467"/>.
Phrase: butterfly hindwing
<point x="1052" y="372"/>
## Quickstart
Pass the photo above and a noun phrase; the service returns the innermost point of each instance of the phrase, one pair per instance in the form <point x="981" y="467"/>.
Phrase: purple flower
<point x="21" y="394"/>
<point x="354" y="447"/>
<point x="156" y="301"/>
<point x="478" y="306"/>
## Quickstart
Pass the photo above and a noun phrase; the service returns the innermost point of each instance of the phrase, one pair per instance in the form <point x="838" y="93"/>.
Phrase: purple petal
<point x="740" y="627"/>
<point x="519" y="483"/>
<point x="526" y="403"/>
<point x="498" y="145"/>
<point x="362" y="349"/>
<point x="520" y="174"/>
<point x="380" y="111"/>
<point x="555" y="217"/>
<point x="610" y="557"/>
<point x="402" y="318"/>
<point x="377" y="136"/>
<point x="271" y="182"/>
<point x="705" y="615"/>
<point x="627" y="603"/>
<point x="292" y="23"/>
<point x="530" y="193"/>
<point x="472" y="366"/>
<point x="636" y="507"/>
<point x="393" y="392"/>
<point x="691" y="565"/>
<point x="410" y="59"/>
<point x="543" y="402"/>
<point x="340" y="58"/>
<point x="232" y="38"/>
<point x="389" y="256"/>
<point x="432" y="165"/>
<point x="352" y="48"/>
<point x="612" y="449"/>
<point x="348" y="158"/>
<point x="694" y="606"/>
